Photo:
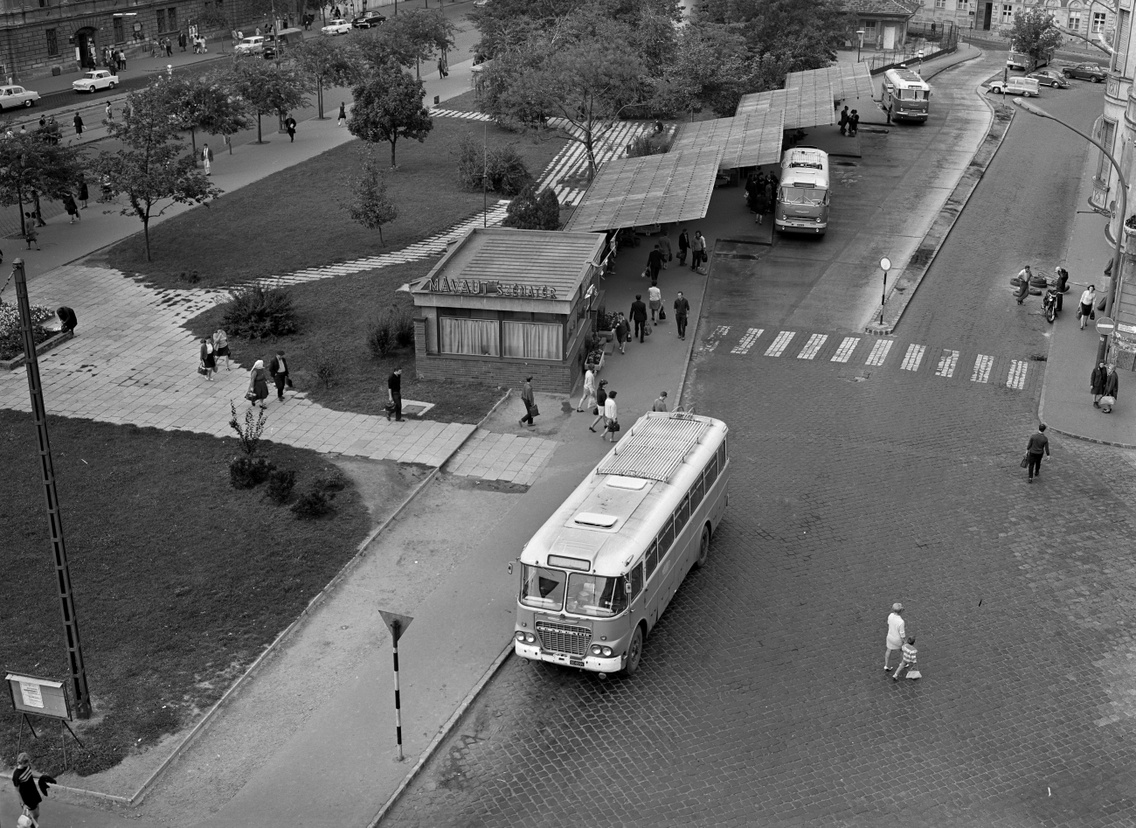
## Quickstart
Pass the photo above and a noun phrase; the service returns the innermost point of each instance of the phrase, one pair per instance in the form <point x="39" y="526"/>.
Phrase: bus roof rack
<point x="641" y="453"/>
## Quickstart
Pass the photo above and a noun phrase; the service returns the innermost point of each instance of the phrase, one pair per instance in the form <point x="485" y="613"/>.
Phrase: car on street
<point x="281" y="41"/>
<point x="1017" y="85"/>
<point x="12" y="97"/>
<point x="1049" y="77"/>
<point x="253" y="45"/>
<point x="368" y="19"/>
<point x="95" y="80"/>
<point x="1085" y="71"/>
<point x="337" y="27"/>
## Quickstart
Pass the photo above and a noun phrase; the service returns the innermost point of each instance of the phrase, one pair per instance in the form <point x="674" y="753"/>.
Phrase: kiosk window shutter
<point x="477" y="337"/>
<point x="533" y="340"/>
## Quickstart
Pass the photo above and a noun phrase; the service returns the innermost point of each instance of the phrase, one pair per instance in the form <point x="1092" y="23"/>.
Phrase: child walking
<point x="908" y="663"/>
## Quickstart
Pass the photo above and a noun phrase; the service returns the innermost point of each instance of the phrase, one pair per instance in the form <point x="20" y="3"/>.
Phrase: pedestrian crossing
<point x="870" y="351"/>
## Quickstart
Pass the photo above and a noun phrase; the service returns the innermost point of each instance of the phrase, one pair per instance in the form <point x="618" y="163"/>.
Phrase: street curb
<point x="1091" y="439"/>
<point x="920" y="263"/>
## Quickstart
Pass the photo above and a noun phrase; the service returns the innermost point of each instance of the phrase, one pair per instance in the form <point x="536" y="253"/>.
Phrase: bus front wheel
<point x="703" y="548"/>
<point x="634" y="652"/>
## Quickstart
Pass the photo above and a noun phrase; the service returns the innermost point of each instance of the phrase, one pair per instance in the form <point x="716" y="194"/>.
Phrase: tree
<point x="388" y="106"/>
<point x="327" y="64"/>
<point x="31" y="165"/>
<point x="370" y="205"/>
<point x="267" y="88"/>
<point x="152" y="167"/>
<point x="711" y="66"/>
<point x="533" y="211"/>
<point x="202" y="102"/>
<point x="1034" y="32"/>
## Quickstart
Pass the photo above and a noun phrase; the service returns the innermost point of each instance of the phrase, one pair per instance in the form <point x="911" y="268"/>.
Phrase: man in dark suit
<point x="638" y="315"/>
<point x="655" y="263"/>
<point x="278" y="370"/>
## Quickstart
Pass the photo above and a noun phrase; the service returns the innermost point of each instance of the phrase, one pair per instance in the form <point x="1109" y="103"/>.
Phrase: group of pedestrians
<point x="898" y="641"/>
<point x="760" y="192"/>
<point x="696" y="247"/>
<point x="214" y="348"/>
<point x="849" y="122"/>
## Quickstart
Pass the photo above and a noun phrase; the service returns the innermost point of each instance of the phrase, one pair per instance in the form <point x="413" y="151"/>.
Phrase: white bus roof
<point x="908" y="77"/>
<point x="805" y="167"/>
<point x="611" y="517"/>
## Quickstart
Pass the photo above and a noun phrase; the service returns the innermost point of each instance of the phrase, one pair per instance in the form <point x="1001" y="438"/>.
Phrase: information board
<point x="38" y="696"/>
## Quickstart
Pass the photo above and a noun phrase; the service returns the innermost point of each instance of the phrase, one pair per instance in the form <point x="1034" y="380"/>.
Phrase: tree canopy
<point x="323" y="61"/>
<point x="1034" y="32"/>
<point x="268" y="89"/>
<point x="201" y="102"/>
<point x="29" y="164"/>
<point x="388" y="106"/>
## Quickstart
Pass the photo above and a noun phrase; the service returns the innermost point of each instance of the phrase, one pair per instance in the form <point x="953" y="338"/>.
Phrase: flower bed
<point x="11" y="340"/>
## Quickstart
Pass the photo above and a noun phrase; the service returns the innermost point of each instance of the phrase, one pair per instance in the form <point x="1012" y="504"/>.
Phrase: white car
<point x="15" y="96"/>
<point x="250" y="46"/>
<point x="1016" y="85"/>
<point x="95" y="80"/>
<point x="337" y="27"/>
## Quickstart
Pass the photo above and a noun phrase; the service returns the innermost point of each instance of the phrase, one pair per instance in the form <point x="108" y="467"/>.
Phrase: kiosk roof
<point x="746" y="141"/>
<point x="654" y="189"/>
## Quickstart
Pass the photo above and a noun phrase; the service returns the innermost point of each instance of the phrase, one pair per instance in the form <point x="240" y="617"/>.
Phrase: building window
<point x="940" y="4"/>
<point x="477" y="337"/>
<point x="1075" y="21"/>
<point x="1007" y="14"/>
<point x="119" y="34"/>
<point x="1098" y="22"/>
<point x="1106" y="137"/>
<point x="172" y="19"/>
<point x="161" y="20"/>
<point x="52" y="43"/>
<point x="532" y="340"/>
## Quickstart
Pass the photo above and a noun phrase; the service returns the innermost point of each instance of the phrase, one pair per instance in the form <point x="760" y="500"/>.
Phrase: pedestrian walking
<point x="665" y="249"/>
<point x="1062" y="286"/>
<point x="622" y="332"/>
<point x="258" y="385"/>
<point x="1036" y="448"/>
<point x="290" y="126"/>
<point x="67" y="319"/>
<point x="278" y="370"/>
<point x="32" y="790"/>
<point x="682" y="311"/>
<point x="441" y="68"/>
<point x="71" y="208"/>
<point x="895" y="635"/>
<point x="654" y="263"/>
<point x="31" y="236"/>
<point x="588" y="398"/>
<point x="907" y="662"/>
<point x="121" y="60"/>
<point x="655" y="301"/>
<point x="601" y="406"/>
<point x="208" y="364"/>
<point x="78" y="121"/>
<point x="1024" y="277"/>
<point x="660" y="403"/>
<point x="109" y="110"/>
<point x="1111" y="386"/>
<point x="1096" y="383"/>
<point x="611" y="418"/>
<point x="529" y="399"/>
<point x="1085" y="312"/>
<point x="683" y="246"/>
<point x="207" y="158"/>
<point x="698" y="251"/>
<point x="342" y="114"/>
<point x="221" y="346"/>
<point x="639" y="316"/>
<point x="844" y="121"/>
<point x="394" y="395"/>
<point x="854" y="122"/>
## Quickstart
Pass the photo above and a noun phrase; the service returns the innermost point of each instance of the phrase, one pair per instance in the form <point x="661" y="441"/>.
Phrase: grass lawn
<point x="336" y="315"/>
<point x="298" y="218"/>
<point x="180" y="581"/>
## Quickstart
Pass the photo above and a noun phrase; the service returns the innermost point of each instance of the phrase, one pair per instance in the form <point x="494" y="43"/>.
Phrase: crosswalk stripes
<point x="748" y="341"/>
<point x="844" y="352"/>
<point x="813" y="346"/>
<point x="946" y="364"/>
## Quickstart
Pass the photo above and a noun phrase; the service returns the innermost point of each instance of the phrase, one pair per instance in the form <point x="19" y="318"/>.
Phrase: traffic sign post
<point x="397" y="625"/>
<point x="1106" y="327"/>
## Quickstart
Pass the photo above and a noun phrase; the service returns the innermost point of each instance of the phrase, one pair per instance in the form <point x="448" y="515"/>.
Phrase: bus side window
<point x="697" y="492"/>
<point x="636" y="580"/>
<point x="666" y="537"/>
<point x="682" y="514"/>
<point x="651" y="559"/>
<point x="722" y="449"/>
<point x="711" y="473"/>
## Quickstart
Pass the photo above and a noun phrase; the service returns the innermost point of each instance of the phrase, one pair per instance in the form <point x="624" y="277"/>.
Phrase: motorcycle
<point x="1049" y="303"/>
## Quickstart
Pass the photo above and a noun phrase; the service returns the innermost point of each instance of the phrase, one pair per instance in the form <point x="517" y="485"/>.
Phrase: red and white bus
<point x="598" y="574"/>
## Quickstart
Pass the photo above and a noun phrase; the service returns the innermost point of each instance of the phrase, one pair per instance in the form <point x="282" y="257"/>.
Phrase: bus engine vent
<point x="563" y="638"/>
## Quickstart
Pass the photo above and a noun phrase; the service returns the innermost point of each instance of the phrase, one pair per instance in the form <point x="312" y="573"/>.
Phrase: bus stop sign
<point x="396" y="623"/>
<point x="1105" y="326"/>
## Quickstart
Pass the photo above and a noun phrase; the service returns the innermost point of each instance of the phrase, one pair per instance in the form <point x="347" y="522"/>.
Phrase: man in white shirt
<point x="897" y="634"/>
<point x="655" y="300"/>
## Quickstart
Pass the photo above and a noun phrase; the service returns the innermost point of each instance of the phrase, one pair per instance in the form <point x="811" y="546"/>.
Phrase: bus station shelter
<point x="750" y="140"/>
<point x="847" y="80"/>
<point x="803" y="106"/>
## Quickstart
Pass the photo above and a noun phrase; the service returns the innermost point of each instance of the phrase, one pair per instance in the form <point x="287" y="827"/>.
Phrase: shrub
<point x="257" y="312"/>
<point x="313" y="504"/>
<point x="404" y="329"/>
<point x="249" y="433"/>
<point x="328" y="361"/>
<point x="333" y="481"/>
<point x="280" y="485"/>
<point x="497" y="169"/>
<point x="247" y="472"/>
<point x="530" y="211"/>
<point x="380" y="337"/>
<point x="12" y="338"/>
<point x="655" y="143"/>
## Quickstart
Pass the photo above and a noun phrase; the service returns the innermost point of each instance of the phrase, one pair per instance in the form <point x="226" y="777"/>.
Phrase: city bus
<point x="906" y="96"/>
<point x="803" y="194"/>
<point x="597" y="575"/>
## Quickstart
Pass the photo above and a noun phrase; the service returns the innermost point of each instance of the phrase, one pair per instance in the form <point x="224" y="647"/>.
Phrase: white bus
<point x="803" y="193"/>
<point x="598" y="574"/>
<point x="906" y="96"/>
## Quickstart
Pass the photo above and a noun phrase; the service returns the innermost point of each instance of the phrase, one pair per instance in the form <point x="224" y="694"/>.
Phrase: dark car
<point x="367" y="19"/>
<point x="1085" y="71"/>
<point x="1048" y="77"/>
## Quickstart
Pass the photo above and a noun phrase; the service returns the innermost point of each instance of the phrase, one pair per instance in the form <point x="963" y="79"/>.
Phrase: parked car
<point x="368" y="19"/>
<point x="95" y="80"/>
<point x="1018" y="85"/>
<point x="16" y="96"/>
<point x="1049" y="77"/>
<point x="337" y="27"/>
<point x="1085" y="71"/>
<point x="253" y="45"/>
<point x="281" y="41"/>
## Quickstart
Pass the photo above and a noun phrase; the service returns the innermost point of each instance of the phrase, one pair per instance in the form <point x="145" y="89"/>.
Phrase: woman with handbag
<point x="208" y="359"/>
<point x="1085" y="312"/>
<point x="258" y="385"/>
<point x="601" y="403"/>
<point x="611" y="416"/>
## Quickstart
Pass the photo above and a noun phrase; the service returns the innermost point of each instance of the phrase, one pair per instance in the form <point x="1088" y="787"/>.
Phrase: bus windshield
<point x="912" y="95"/>
<point x="802" y="195"/>
<point x="543" y="588"/>
<point x="595" y="595"/>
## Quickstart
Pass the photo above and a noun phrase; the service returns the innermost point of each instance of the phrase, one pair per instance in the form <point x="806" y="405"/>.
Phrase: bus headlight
<point x="525" y="637"/>
<point x="600" y="650"/>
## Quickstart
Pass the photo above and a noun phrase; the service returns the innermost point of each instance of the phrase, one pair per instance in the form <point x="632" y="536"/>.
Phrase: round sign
<point x="1105" y="326"/>
<point x="885" y="263"/>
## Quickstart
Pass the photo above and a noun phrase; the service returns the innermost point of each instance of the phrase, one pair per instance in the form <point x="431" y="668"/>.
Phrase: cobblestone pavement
<point x="761" y="700"/>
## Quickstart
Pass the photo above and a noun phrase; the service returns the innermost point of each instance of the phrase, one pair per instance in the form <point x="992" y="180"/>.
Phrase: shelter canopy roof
<point x="807" y="105"/>
<point x="848" y="80"/>
<point x="749" y="140"/>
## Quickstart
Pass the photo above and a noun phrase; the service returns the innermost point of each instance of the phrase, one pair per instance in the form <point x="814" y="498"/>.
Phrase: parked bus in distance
<point x="1023" y="62"/>
<point x="906" y="96"/>
<point x="598" y="574"/>
<point x="803" y="195"/>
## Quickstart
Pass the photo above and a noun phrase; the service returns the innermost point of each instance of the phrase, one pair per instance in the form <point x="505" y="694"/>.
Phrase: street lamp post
<point x="885" y="266"/>
<point x="1117" y="258"/>
<point x="860" y="45"/>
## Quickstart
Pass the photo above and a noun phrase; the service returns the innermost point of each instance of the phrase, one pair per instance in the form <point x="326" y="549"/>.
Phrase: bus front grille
<point x="562" y="638"/>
